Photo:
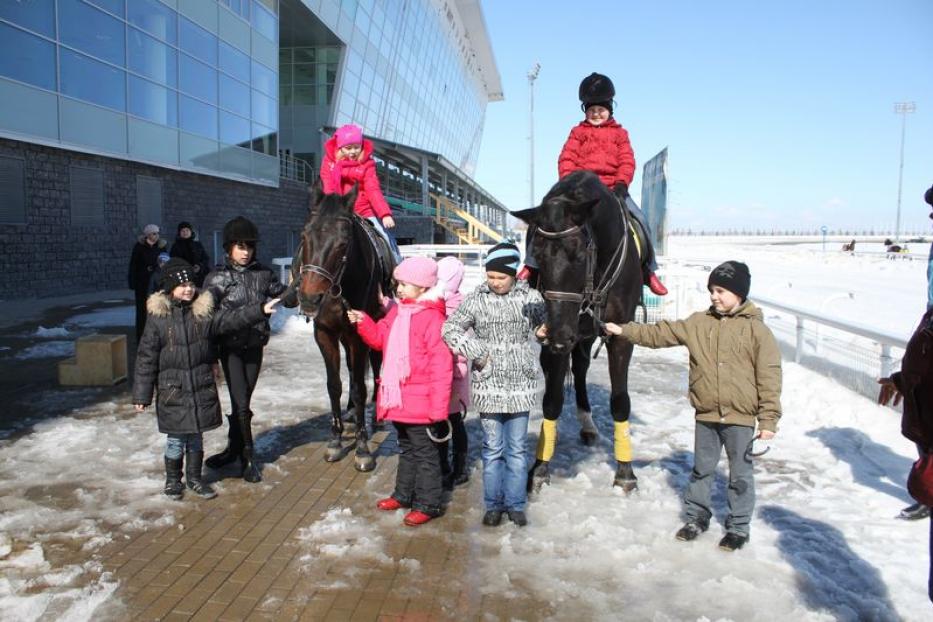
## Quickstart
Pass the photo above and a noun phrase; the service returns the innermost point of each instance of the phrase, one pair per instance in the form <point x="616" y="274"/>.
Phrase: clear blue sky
<point x="775" y="113"/>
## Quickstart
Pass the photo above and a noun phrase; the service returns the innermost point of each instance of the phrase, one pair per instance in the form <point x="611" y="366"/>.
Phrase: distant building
<point x="118" y="113"/>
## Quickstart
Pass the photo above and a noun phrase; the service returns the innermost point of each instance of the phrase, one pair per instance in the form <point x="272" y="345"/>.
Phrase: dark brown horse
<point x="337" y="268"/>
<point x="590" y="273"/>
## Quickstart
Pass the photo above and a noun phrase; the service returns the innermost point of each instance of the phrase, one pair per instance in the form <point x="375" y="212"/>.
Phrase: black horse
<point x="338" y="268"/>
<point x="590" y="273"/>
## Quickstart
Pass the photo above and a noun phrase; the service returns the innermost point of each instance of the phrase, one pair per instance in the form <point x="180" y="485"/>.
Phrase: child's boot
<point x="655" y="284"/>
<point x="173" y="486"/>
<point x="459" y="474"/>
<point x="250" y="471"/>
<point x="193" y="461"/>
<point x="234" y="446"/>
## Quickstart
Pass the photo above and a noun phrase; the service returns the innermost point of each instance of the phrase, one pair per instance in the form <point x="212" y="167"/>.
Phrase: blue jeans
<point x="388" y="236"/>
<point x="505" y="469"/>
<point x="178" y="444"/>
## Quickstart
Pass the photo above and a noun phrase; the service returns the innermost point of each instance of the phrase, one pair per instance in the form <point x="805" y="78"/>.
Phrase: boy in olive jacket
<point x="735" y="383"/>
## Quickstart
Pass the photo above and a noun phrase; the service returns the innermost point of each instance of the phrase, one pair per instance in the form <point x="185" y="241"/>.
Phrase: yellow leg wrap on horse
<point x="623" y="443"/>
<point x="547" y="439"/>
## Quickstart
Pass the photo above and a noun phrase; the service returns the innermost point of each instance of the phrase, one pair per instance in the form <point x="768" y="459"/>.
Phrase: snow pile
<point x="47" y="349"/>
<point x="58" y="331"/>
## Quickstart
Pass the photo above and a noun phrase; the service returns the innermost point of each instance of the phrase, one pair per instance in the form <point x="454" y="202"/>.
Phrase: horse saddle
<point x="385" y="260"/>
<point x="638" y="234"/>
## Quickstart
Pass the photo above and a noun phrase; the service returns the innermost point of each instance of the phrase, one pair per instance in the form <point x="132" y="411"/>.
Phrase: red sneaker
<point x="523" y="274"/>
<point x="389" y="504"/>
<point x="415" y="518"/>
<point x="655" y="284"/>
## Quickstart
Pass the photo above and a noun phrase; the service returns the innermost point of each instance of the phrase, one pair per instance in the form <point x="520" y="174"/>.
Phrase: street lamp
<point x="903" y="109"/>
<point x="532" y="76"/>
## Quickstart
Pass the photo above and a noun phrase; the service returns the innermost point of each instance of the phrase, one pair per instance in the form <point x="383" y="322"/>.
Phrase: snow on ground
<point x="824" y="542"/>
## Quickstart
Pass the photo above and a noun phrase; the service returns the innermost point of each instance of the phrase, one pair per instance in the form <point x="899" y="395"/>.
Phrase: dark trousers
<point x="241" y="369"/>
<point x="418" y="479"/>
<point x="142" y="293"/>
<point x="458" y="440"/>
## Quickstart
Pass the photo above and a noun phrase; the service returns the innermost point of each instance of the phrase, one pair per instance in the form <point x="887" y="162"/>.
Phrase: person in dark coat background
<point x="914" y="383"/>
<point x="143" y="262"/>
<point x="242" y="281"/>
<point x="191" y="250"/>
<point x="174" y="361"/>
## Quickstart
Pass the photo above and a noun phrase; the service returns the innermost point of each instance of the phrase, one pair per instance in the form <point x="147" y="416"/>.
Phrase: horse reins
<point x="592" y="299"/>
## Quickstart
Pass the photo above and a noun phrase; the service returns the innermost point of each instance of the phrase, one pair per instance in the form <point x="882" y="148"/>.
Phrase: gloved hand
<point x="621" y="189"/>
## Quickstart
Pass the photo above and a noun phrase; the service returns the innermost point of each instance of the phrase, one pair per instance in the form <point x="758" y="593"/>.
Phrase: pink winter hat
<point x="420" y="271"/>
<point x="348" y="135"/>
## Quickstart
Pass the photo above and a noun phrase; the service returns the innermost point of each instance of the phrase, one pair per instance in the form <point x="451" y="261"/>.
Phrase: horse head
<point x="562" y="245"/>
<point x="325" y="244"/>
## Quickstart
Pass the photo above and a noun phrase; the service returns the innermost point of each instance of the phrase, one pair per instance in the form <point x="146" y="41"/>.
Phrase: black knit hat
<point x="184" y="225"/>
<point x="928" y="197"/>
<point x="175" y="272"/>
<point x="607" y="105"/>
<point x="503" y="257"/>
<point x="240" y="229"/>
<point x="731" y="275"/>
<point x="596" y="88"/>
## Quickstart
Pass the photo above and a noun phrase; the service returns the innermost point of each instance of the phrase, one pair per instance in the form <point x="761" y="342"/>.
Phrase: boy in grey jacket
<point x="735" y="384"/>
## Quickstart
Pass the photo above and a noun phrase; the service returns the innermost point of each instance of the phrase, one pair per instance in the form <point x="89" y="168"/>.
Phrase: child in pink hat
<point x="348" y="162"/>
<point x="414" y="390"/>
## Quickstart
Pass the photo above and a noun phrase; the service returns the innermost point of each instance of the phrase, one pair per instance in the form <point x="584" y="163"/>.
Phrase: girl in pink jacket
<point x="449" y="277"/>
<point x="414" y="389"/>
<point x="348" y="162"/>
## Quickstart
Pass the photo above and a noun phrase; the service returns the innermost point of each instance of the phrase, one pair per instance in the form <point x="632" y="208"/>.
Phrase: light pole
<point x="903" y="109"/>
<point x="532" y="76"/>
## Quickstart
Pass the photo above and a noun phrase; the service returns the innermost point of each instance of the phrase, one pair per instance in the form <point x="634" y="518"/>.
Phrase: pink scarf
<point x="396" y="360"/>
<point x="336" y="174"/>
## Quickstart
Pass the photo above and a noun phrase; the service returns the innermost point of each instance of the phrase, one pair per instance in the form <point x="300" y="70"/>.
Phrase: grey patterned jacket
<point x="502" y="330"/>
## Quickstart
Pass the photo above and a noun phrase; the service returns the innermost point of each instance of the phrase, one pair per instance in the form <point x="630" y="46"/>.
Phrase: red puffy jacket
<point x="426" y="392"/>
<point x="339" y="176"/>
<point x="603" y="149"/>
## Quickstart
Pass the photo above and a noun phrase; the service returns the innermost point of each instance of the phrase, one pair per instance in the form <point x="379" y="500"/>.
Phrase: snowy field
<point x="824" y="544"/>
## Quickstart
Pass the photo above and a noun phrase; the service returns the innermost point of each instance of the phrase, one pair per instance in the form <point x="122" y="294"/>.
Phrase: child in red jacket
<point x="414" y="389"/>
<point x="347" y="162"/>
<point x="601" y="145"/>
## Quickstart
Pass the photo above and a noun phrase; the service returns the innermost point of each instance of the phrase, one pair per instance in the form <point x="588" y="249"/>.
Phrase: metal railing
<point x="295" y="169"/>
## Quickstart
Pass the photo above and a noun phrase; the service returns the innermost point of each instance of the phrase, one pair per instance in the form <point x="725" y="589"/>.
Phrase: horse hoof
<point x="365" y="464"/>
<point x="588" y="438"/>
<point x="628" y="486"/>
<point x="625" y="478"/>
<point x="333" y="453"/>
<point x="538" y="477"/>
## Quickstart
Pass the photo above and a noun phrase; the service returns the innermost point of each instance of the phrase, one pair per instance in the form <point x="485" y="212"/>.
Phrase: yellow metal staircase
<point x="449" y="216"/>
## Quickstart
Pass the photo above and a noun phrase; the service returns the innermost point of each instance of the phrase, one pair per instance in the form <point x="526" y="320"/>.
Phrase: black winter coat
<point x="174" y="359"/>
<point x="143" y="261"/>
<point x="193" y="252"/>
<point x="233" y="287"/>
<point x="915" y="382"/>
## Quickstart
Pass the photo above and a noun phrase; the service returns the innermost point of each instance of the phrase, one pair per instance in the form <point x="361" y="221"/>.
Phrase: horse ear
<point x="315" y="194"/>
<point x="529" y="215"/>
<point x="349" y="199"/>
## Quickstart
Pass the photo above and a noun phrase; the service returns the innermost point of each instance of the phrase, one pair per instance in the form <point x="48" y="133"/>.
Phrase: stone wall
<point x="49" y="256"/>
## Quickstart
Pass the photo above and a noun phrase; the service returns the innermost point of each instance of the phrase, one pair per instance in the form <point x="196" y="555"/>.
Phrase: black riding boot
<point x="250" y="471"/>
<point x="173" y="486"/>
<point x="234" y="446"/>
<point x="193" y="460"/>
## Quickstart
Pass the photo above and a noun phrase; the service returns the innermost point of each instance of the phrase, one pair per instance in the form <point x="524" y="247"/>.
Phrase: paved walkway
<point x="246" y="555"/>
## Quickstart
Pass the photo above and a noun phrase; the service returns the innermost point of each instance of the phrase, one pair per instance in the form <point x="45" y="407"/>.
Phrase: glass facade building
<point x="189" y="84"/>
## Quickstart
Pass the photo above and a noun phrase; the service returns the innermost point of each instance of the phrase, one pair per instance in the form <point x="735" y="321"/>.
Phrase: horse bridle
<point x="336" y="289"/>
<point x="592" y="299"/>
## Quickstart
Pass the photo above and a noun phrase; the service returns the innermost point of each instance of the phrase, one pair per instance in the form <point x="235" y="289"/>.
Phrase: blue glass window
<point x="153" y="17"/>
<point x="197" y="79"/>
<point x="234" y="95"/>
<point x="265" y="110"/>
<point x="153" y="102"/>
<point x="264" y="79"/>
<point x="114" y="6"/>
<point x="264" y="140"/>
<point x="265" y="22"/>
<point x="151" y="58"/>
<point x="26" y="57"/>
<point x="197" y="41"/>
<point x="234" y="130"/>
<point x="197" y="117"/>
<point x="91" y="31"/>
<point x="234" y="62"/>
<point x="37" y="15"/>
<point x="93" y="81"/>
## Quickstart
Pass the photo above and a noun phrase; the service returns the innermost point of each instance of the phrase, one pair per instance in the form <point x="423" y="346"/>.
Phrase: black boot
<point x="459" y="474"/>
<point x="193" y="460"/>
<point x="250" y="471"/>
<point x="234" y="446"/>
<point x="173" y="486"/>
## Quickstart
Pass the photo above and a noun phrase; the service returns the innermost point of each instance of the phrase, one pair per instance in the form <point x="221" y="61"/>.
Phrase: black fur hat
<point x="596" y="89"/>
<point x="240" y="229"/>
<point x="175" y="272"/>
<point x="184" y="225"/>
